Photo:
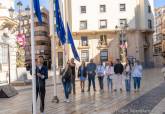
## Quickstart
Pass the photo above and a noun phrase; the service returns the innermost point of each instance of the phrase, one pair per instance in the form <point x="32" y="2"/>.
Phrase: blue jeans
<point x="101" y="78"/>
<point x="128" y="85"/>
<point x="67" y="88"/>
<point x="91" y="79"/>
<point x="109" y="83"/>
<point x="137" y="81"/>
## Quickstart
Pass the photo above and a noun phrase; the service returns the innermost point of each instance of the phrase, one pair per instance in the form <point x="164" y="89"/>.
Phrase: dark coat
<point x="67" y="76"/>
<point x="84" y="72"/>
<point x="118" y="68"/>
<point x="40" y="82"/>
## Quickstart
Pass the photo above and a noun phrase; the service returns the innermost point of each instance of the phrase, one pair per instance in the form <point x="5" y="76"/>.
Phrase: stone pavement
<point x="85" y="103"/>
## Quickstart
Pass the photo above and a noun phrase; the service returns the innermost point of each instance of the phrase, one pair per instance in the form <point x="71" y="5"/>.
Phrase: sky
<point x="158" y="3"/>
<point x="26" y="3"/>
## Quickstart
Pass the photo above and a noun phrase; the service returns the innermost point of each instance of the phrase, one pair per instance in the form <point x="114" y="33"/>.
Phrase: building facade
<point x="42" y="38"/>
<point x="98" y="29"/>
<point x="8" y="47"/>
<point x="159" y="37"/>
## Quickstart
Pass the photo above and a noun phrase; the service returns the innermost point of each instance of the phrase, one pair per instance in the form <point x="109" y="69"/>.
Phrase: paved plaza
<point x="150" y="100"/>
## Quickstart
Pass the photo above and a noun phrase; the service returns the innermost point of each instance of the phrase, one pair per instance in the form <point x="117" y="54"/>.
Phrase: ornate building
<point x="7" y="44"/>
<point x="42" y="38"/>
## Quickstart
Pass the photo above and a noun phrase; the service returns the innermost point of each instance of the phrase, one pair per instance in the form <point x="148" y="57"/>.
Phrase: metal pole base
<point x="55" y="99"/>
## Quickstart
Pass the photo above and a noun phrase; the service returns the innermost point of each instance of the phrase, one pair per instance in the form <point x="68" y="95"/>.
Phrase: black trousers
<point x="41" y="91"/>
<point x="101" y="83"/>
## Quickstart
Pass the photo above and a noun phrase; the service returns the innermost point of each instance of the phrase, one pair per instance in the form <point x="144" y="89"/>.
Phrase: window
<point x="40" y="33"/>
<point x="122" y="7"/>
<point x="150" y="24"/>
<point x="41" y="42"/>
<point x="83" y="25"/>
<point x="83" y="9"/>
<point x="103" y="24"/>
<point x="123" y="22"/>
<point x="84" y="41"/>
<point x="149" y="9"/>
<point x="3" y="54"/>
<point x="104" y="55"/>
<point x="85" y="55"/>
<point x="103" y="40"/>
<point x="102" y="8"/>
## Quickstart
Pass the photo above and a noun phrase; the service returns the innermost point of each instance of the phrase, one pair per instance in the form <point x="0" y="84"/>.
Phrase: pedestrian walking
<point x="66" y="80"/>
<point x="137" y="75"/>
<point x="73" y="68"/>
<point x="118" y="69"/>
<point x="41" y="76"/>
<point x="91" y="71"/>
<point x="82" y="74"/>
<point x="110" y="73"/>
<point x="127" y="70"/>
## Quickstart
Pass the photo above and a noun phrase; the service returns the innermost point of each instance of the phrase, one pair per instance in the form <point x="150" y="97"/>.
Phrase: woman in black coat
<point x="82" y="74"/>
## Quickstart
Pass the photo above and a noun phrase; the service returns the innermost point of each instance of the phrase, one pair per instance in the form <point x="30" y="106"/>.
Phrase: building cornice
<point x="95" y="32"/>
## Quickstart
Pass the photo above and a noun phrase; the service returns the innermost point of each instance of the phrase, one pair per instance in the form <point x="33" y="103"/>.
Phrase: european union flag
<point x="37" y="10"/>
<point x="59" y="24"/>
<point x="70" y="40"/>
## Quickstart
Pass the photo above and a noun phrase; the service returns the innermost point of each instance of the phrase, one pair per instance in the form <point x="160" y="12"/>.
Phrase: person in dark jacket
<point x="82" y="74"/>
<point x="73" y="68"/>
<point x="41" y="76"/>
<point x="66" y="80"/>
<point x="91" y="70"/>
<point x="118" y="69"/>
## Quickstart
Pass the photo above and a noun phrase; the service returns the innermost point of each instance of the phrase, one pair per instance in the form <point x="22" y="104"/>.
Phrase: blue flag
<point x="59" y="24"/>
<point x="37" y="10"/>
<point x="70" y="40"/>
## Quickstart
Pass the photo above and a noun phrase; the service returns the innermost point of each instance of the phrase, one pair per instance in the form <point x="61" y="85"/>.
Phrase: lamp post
<point x="122" y="41"/>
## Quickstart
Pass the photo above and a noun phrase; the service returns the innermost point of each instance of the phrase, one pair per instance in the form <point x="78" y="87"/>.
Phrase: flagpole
<point x="53" y="48"/>
<point x="66" y="20"/>
<point x="33" y="58"/>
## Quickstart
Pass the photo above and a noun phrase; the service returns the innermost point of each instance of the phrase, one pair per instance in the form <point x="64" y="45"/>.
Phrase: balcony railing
<point x="83" y="46"/>
<point x="102" y="44"/>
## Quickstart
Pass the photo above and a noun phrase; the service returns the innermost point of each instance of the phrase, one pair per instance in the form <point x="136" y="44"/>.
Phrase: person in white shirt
<point x="137" y="75"/>
<point x="109" y="73"/>
<point x="100" y="73"/>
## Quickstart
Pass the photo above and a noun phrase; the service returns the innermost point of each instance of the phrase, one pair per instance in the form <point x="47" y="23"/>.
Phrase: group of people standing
<point x="118" y="76"/>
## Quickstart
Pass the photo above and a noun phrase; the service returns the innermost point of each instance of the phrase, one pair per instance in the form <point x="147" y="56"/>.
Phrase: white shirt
<point x="100" y="70"/>
<point x="109" y="70"/>
<point x="137" y="71"/>
<point x="127" y="69"/>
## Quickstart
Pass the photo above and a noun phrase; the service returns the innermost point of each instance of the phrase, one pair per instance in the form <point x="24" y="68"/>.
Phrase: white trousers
<point x="118" y="82"/>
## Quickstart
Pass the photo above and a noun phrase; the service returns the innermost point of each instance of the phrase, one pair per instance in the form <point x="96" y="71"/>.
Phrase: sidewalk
<point x="81" y="103"/>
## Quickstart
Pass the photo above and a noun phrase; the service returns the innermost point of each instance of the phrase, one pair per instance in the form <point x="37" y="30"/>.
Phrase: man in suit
<point x="41" y="76"/>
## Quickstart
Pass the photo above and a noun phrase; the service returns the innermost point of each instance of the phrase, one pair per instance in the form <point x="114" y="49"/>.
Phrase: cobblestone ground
<point x="87" y="103"/>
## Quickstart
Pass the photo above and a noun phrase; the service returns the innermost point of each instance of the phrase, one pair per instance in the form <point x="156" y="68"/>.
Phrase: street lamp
<point x="11" y="12"/>
<point x="122" y="42"/>
<point x="27" y="9"/>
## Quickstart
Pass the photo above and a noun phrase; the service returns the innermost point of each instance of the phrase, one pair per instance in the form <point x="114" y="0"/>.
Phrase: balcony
<point x="102" y="45"/>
